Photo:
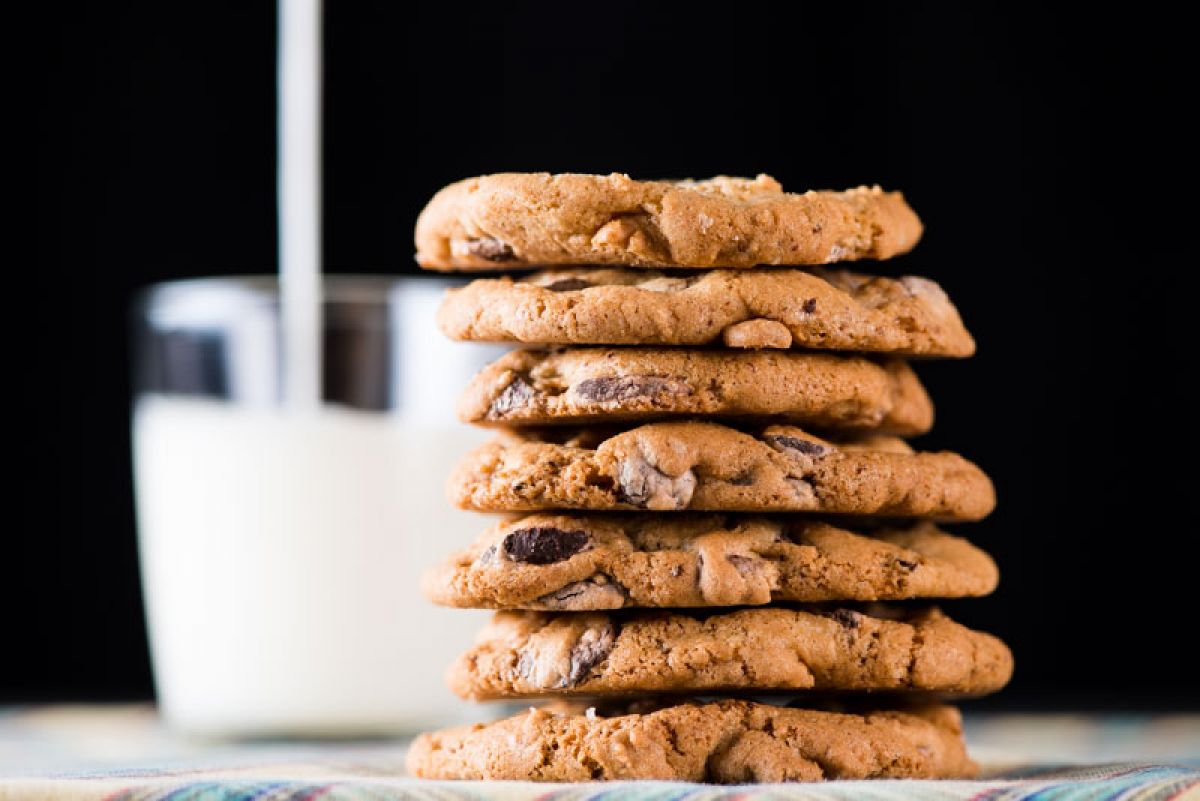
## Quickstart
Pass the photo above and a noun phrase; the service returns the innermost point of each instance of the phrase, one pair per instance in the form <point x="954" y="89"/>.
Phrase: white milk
<point x="281" y="545"/>
<point x="298" y="192"/>
<point x="281" y="555"/>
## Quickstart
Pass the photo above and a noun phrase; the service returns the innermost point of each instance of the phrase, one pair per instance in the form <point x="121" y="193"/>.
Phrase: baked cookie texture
<point x="580" y="563"/>
<point x="710" y="467"/>
<point x="773" y="649"/>
<point x="727" y="742"/>
<point x="590" y="385"/>
<point x="811" y="309"/>
<point x="516" y="220"/>
<point x="688" y="344"/>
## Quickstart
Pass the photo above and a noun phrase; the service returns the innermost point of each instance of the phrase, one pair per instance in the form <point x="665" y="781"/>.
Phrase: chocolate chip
<point x="805" y="489"/>
<point x="744" y="564"/>
<point x="567" y="285"/>
<point x="907" y="565"/>
<point x="796" y="533"/>
<point x="601" y="482"/>
<point x="568" y="593"/>
<point x="742" y="479"/>
<point x="801" y="445"/>
<point x="666" y="284"/>
<point x="628" y="387"/>
<point x="809" y="306"/>
<point x="597" y="592"/>
<point x="516" y="395"/>
<point x="643" y="485"/>
<point x="592" y="649"/>
<point x="847" y="618"/>
<point x="543" y="545"/>
<point x="490" y="248"/>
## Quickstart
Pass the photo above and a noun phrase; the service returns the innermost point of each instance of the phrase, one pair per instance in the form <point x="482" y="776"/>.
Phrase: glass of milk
<point x="281" y="547"/>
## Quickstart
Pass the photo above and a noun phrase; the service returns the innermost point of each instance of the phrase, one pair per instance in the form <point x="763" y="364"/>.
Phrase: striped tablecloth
<point x="123" y="753"/>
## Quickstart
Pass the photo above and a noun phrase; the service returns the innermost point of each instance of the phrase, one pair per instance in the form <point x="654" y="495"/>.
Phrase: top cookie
<point x="518" y="220"/>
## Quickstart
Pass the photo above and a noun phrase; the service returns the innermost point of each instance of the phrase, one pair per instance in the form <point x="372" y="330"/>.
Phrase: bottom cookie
<point x="724" y="742"/>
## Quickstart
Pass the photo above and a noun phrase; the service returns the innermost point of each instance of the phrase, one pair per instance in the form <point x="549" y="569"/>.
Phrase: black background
<point x="1044" y="151"/>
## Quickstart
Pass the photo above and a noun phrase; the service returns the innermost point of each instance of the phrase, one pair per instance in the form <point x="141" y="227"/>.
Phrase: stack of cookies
<point x="719" y="549"/>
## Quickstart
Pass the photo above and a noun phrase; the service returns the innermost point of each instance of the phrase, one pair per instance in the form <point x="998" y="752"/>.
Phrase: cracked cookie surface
<point x="581" y="385"/>
<point x="583" y="563"/>
<point x="515" y="220"/>
<point x="773" y="649"/>
<point x="778" y="309"/>
<point x="711" y="467"/>
<point x="726" y="742"/>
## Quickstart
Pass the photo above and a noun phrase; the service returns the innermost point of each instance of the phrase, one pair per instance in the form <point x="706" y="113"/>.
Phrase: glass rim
<point x="190" y="300"/>
<point x="346" y="287"/>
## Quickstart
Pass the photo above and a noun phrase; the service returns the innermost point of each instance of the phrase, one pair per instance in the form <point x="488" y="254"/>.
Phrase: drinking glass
<point x="281" y="547"/>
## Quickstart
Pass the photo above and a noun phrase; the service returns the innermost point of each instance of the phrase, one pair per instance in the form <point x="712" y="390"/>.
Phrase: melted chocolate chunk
<point x="592" y="649"/>
<point x="629" y="387"/>
<point x="597" y="592"/>
<point x="809" y="306"/>
<point x="567" y="285"/>
<point x="645" y="486"/>
<point x="743" y="564"/>
<point x="490" y="248"/>
<point x="847" y="618"/>
<point x="798" y="533"/>
<point x="515" y="396"/>
<point x="543" y="545"/>
<point x="488" y="557"/>
<point x="802" y="445"/>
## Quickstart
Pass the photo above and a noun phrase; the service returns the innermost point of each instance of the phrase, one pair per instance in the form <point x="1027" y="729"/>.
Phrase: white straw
<point x="299" y="188"/>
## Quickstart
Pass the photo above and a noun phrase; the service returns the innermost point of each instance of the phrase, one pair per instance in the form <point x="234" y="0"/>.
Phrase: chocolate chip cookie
<point x="588" y="385"/>
<point x="812" y="309"/>
<point x="515" y="220"/>
<point x="771" y="649"/>
<point x="727" y="742"/>
<point x="583" y="563"/>
<point x="711" y="467"/>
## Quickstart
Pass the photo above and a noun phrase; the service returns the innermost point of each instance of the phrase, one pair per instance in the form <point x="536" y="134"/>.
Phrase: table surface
<point x="123" y="752"/>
